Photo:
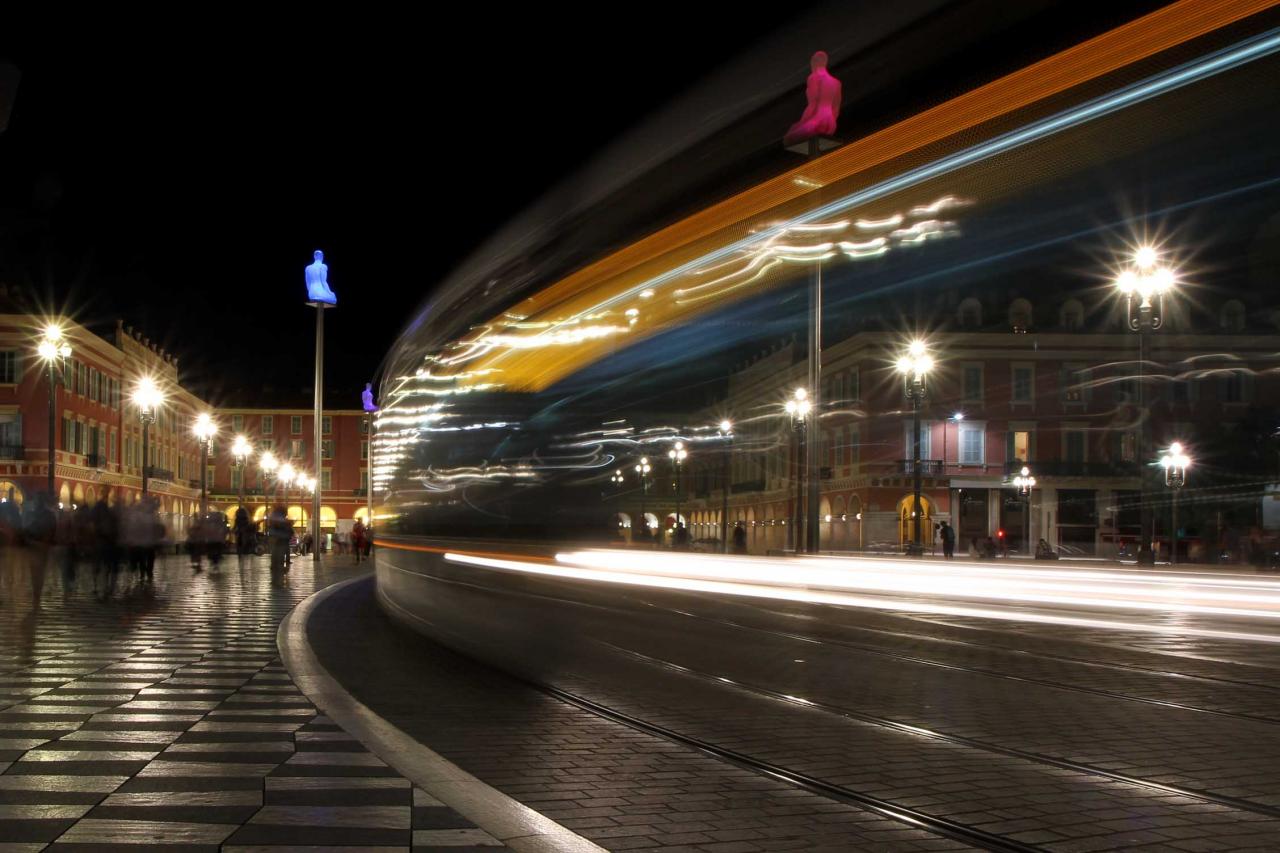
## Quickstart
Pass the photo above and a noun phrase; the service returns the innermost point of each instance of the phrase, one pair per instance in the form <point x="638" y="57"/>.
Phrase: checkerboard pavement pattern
<point x="161" y="719"/>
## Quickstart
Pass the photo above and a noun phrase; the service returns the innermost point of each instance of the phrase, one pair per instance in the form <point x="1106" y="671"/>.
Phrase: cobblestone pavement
<point x="161" y="719"/>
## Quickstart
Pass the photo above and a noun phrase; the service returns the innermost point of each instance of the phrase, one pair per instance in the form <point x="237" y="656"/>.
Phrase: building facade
<point x="98" y="434"/>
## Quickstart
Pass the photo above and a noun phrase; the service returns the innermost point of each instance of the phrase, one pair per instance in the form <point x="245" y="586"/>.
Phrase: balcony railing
<point x="95" y="460"/>
<point x="1073" y="468"/>
<point x="11" y="451"/>
<point x="928" y="467"/>
<point x="154" y="473"/>
<point x="747" y="486"/>
<point x="360" y="493"/>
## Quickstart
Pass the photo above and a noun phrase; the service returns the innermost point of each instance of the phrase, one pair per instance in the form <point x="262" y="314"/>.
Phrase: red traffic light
<point x="1000" y="533"/>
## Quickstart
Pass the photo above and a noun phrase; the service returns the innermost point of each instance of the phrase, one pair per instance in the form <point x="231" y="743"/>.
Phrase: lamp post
<point x="677" y="455"/>
<point x="726" y="432"/>
<point x="1024" y="483"/>
<point x="267" y="464"/>
<point x="286" y="477"/>
<point x="642" y="470"/>
<point x="54" y="350"/>
<point x="148" y="399"/>
<point x="914" y="365"/>
<point x="1175" y="464"/>
<point x="240" y="451"/>
<point x="798" y="408"/>
<point x="204" y="429"/>
<point x="1143" y="284"/>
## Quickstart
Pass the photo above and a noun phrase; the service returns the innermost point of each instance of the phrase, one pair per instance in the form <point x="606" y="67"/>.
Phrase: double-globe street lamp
<point x="677" y="455"/>
<point x="148" y="399"/>
<point x="1144" y="284"/>
<point x="240" y="452"/>
<point x="798" y="408"/>
<point x="726" y="433"/>
<point x="53" y="349"/>
<point x="1024" y="482"/>
<point x="642" y="471"/>
<point x="1175" y="463"/>
<point x="914" y="365"/>
<point x="204" y="429"/>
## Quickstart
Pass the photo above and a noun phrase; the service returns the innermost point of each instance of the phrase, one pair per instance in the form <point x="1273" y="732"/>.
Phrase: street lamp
<point x="148" y="398"/>
<point x="914" y="365"/>
<point x="53" y="349"/>
<point x="1144" y="284"/>
<point x="1024" y="483"/>
<point x="240" y="451"/>
<point x="677" y="455"/>
<point x="267" y="465"/>
<point x="1175" y="464"/>
<point x="726" y="432"/>
<point x="204" y="429"/>
<point x="643" y="469"/>
<point x="798" y="408"/>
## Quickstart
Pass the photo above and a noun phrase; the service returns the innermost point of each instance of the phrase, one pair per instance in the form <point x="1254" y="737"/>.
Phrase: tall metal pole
<point x="319" y="416"/>
<point x="368" y="462"/>
<point x="799" y="514"/>
<point x="918" y="541"/>
<point x="243" y="469"/>
<point x="53" y="425"/>
<point x="204" y="473"/>
<point x="1146" y="556"/>
<point x="813" y="435"/>
<point x="676" y="526"/>
<point x="1173" y="534"/>
<point x="146" y="452"/>
<point x="724" y="498"/>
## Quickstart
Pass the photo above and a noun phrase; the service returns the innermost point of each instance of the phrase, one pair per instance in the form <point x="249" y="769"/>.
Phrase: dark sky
<point x="181" y="179"/>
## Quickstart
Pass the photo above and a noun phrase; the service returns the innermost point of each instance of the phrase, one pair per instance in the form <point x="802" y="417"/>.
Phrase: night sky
<point x="182" y="183"/>
<point x="179" y="175"/>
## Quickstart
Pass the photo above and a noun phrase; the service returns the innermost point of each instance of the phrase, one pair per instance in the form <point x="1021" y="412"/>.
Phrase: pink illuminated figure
<point x="823" y="92"/>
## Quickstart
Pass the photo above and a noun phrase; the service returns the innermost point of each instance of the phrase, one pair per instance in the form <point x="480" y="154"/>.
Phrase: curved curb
<point x="511" y="822"/>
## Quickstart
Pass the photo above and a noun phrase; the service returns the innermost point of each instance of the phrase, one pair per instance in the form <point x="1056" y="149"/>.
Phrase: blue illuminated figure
<point x="318" y="282"/>
<point x="366" y="397"/>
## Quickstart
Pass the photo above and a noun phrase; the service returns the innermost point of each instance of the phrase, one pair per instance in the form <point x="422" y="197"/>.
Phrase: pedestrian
<point x="39" y="526"/>
<point x="245" y="535"/>
<point x="948" y="540"/>
<point x="279" y="532"/>
<point x="357" y="539"/>
<point x="739" y="539"/>
<point x="680" y="539"/>
<point x="195" y="543"/>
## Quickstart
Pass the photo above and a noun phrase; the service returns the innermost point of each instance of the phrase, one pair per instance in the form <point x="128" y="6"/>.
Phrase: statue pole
<point x="319" y="422"/>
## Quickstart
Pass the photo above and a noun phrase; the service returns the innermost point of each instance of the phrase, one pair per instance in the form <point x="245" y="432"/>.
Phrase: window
<point x="210" y="473"/>
<point x="971" y="383"/>
<point x="1020" y="445"/>
<point x="969" y="314"/>
<point x="1072" y="315"/>
<point x="295" y="425"/>
<point x="364" y="449"/>
<point x="297" y="448"/>
<point x="364" y="426"/>
<point x="1234" y="388"/>
<point x="326" y="479"/>
<point x="9" y="367"/>
<point x="265" y="444"/>
<point x="326" y="449"/>
<point x="93" y="384"/>
<point x="852" y="455"/>
<point x="326" y="424"/>
<point x="364" y="480"/>
<point x="1075" y="383"/>
<point x="11" y="430"/>
<point x="79" y="378"/>
<point x="237" y="476"/>
<point x="973" y="443"/>
<point x="1128" y="447"/>
<point x="82" y="438"/>
<point x="268" y="424"/>
<point x="1020" y="316"/>
<point x="237" y="423"/>
<point x="855" y="385"/>
<point x="113" y="450"/>
<point x="1073" y="446"/>
<point x="926" y="428"/>
<point x="68" y="374"/>
<point x="1023" y="384"/>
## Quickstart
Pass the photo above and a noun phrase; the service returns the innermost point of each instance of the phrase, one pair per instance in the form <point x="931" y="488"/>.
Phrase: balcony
<point x="928" y="467"/>
<point x="1073" y="468"/>
<point x="11" y="451"/>
<point x="95" y="460"/>
<point x="747" y="486"/>
<point x="154" y="473"/>
<point x="360" y="493"/>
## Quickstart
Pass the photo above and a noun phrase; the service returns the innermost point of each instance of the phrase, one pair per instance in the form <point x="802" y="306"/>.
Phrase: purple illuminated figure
<point x="823" y="92"/>
<point x="366" y="397"/>
<point x="318" y="282"/>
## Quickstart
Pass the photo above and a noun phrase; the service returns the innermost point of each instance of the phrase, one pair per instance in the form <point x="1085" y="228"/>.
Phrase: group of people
<point x="40" y="535"/>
